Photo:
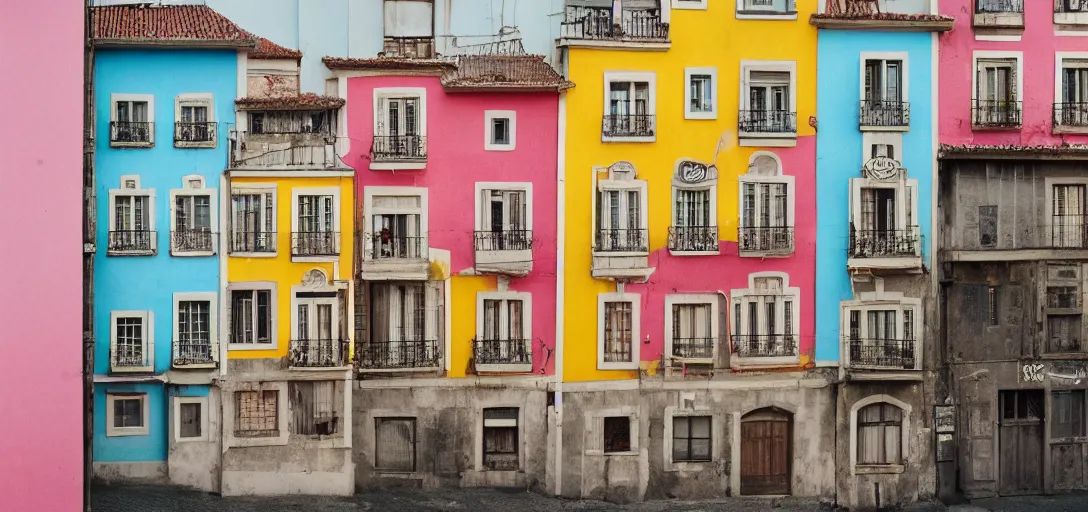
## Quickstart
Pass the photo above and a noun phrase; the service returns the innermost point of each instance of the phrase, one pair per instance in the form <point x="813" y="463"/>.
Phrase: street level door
<point x="1020" y="438"/>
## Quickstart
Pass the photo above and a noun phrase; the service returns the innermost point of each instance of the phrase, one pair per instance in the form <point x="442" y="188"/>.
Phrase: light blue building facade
<point x="162" y="121"/>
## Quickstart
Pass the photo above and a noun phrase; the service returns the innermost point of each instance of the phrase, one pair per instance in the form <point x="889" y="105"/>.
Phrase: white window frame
<point x="880" y="300"/>
<point x="195" y="99"/>
<point x="187" y="190"/>
<point x="636" y="318"/>
<point x="711" y="299"/>
<point x="712" y="72"/>
<point x="784" y="139"/>
<point x="370" y="428"/>
<point x="115" y="431"/>
<point x="338" y="325"/>
<point x="1059" y="71"/>
<point x="336" y="211"/>
<point x="694" y="5"/>
<point x="741" y="296"/>
<point x="148" y="318"/>
<point x="511" y="117"/>
<point x="1048" y="198"/>
<point x="504" y="186"/>
<point x="116" y="98"/>
<point x="381" y="94"/>
<point x="906" y="430"/>
<point x="748" y="14"/>
<point x="369" y="211"/>
<point x="710" y="186"/>
<point x="202" y="401"/>
<point x="902" y="187"/>
<point x="256" y="189"/>
<point x="479" y="444"/>
<point x="648" y="77"/>
<point x="621" y="185"/>
<point x="230" y="415"/>
<point x="889" y="138"/>
<point x="717" y="437"/>
<point x="526" y="299"/>
<point x="212" y="298"/>
<point x="273" y="307"/>
<point x="780" y="177"/>
<point x="121" y="191"/>
<point x="595" y="442"/>
<point x="978" y="55"/>
<point x="884" y="57"/>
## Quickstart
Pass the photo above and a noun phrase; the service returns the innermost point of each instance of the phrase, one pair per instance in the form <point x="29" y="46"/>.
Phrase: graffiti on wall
<point x="1065" y="374"/>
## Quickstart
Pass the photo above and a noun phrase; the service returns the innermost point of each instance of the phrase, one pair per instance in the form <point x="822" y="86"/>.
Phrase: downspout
<point x="560" y="268"/>
<point x="89" y="234"/>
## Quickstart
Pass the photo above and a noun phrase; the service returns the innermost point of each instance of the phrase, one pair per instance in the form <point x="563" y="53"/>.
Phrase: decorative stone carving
<point x="692" y="172"/>
<point x="763" y="165"/>
<point x="622" y="170"/>
<point x="315" y="278"/>
<point x="882" y="168"/>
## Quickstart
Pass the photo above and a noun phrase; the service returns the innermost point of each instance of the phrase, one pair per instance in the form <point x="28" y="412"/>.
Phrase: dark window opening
<point x="395" y="444"/>
<point x="691" y="439"/>
<point x="501" y="438"/>
<point x="617" y="434"/>
<point x="190" y="420"/>
<point x="1068" y="413"/>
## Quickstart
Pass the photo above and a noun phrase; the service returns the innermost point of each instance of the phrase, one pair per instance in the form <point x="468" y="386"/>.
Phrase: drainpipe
<point x="89" y="234"/>
<point x="560" y="268"/>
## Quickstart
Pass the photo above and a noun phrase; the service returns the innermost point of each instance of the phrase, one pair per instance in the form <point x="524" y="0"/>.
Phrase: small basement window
<point x="395" y="444"/>
<point x="617" y="434"/>
<point x="691" y="439"/>
<point x="501" y="438"/>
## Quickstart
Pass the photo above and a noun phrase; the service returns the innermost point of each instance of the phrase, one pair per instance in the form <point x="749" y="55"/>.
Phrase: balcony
<point x="773" y="128"/>
<point x="693" y="350"/>
<point x="995" y="114"/>
<point x="192" y="242"/>
<point x="881" y="354"/>
<point x="132" y="134"/>
<point x="398" y="356"/>
<point x="194" y="353"/>
<point x="765" y="345"/>
<point x="621" y="254"/>
<point x="389" y="256"/>
<point x="880" y="115"/>
<point x="302" y="150"/>
<point x="763" y="242"/>
<point x="318" y="354"/>
<point x="398" y="152"/>
<point x="885" y="249"/>
<point x="1068" y="232"/>
<point x="1070" y="118"/>
<point x="502" y="356"/>
<point x="132" y="359"/>
<point x="999" y="14"/>
<point x="132" y="243"/>
<point x="585" y="26"/>
<point x="505" y="252"/>
<point x="1071" y="12"/>
<point x="693" y="239"/>
<point x="195" y="135"/>
<point x="253" y="242"/>
<point x="628" y="128"/>
<point x="315" y="243"/>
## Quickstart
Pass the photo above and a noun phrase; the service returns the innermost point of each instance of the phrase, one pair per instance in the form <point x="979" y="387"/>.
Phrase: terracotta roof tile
<point x="307" y="101"/>
<point x="268" y="50"/>
<point x="1013" y="152"/>
<point x="387" y="63"/>
<point x="522" y="72"/>
<point x="168" y="24"/>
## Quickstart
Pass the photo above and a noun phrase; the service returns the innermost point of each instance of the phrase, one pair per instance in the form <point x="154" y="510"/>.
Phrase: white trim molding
<point x="132" y="192"/>
<point x="906" y="218"/>
<point x="114" y="431"/>
<point x="481" y="423"/>
<point x="691" y="72"/>
<point x="768" y="139"/>
<point x="317" y="280"/>
<point x="635" y="300"/>
<point x="904" y="85"/>
<point x="633" y="77"/>
<point x="194" y="185"/>
<point x="265" y="190"/>
<point x="764" y="14"/>
<point x="147" y="327"/>
<point x="202" y="401"/>
<point x="694" y="5"/>
<point x="296" y="192"/>
<point x="760" y="291"/>
<point x="213" y="326"/>
<point x="380" y="95"/>
<point x="594" y="421"/>
<point x="880" y="300"/>
<point x="977" y="55"/>
<point x="676" y="299"/>
<point x="717" y="438"/>
<point x="511" y="117"/>
<point x="1079" y="60"/>
<point x="273" y="306"/>
<point x="516" y="261"/>
<point x="395" y="268"/>
<point x="526" y="299"/>
<point x="115" y="98"/>
<point x="905" y="429"/>
<point x="195" y="99"/>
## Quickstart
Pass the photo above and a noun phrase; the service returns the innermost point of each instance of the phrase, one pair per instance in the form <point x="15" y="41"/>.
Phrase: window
<point x="131" y="218"/>
<point x="766" y="201"/>
<point x="400" y="127"/>
<point x="316" y="220"/>
<point x="317" y="330"/>
<point x="192" y="218"/>
<point x="765" y="317"/>
<point x="194" y="123"/>
<point x="883" y="336"/>
<point x="621" y="221"/>
<point x="1062" y="308"/>
<point x="500" y="130"/>
<point x="689" y="4"/>
<point x="395" y="444"/>
<point x="132" y="120"/>
<point x="884" y="95"/>
<point x="691" y="438"/>
<point x="617" y="434"/>
<point x="254" y="223"/>
<point x="405" y="321"/>
<point x="702" y="93"/>
<point x="883" y="80"/>
<point x="503" y="331"/>
<point x="1068" y="216"/>
<point x="500" y="444"/>
<point x="398" y="227"/>
<point x="997" y="86"/>
<point x="190" y="419"/>
<point x="503" y="217"/>
<point x="252" y="324"/>
<point x="126" y="414"/>
<point x="768" y="103"/>
<point x="766" y="7"/>
<point x="194" y="328"/>
<point x="1067" y="408"/>
<point x="409" y="29"/>
<point x="131" y="341"/>
<point x="691" y="327"/>
<point x="630" y="106"/>
<point x="257" y="413"/>
<point x="880" y="435"/>
<point x="315" y="407"/>
<point x="618" y="331"/>
<point x="992" y="312"/>
<point x="1073" y="107"/>
<point x="884" y="211"/>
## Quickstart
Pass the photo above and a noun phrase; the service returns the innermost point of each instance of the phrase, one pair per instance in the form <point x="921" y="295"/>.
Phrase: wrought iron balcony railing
<point x="601" y="23"/>
<point x="1071" y="114"/>
<point x="385" y="246"/>
<point x="626" y="125"/>
<point x="767" y="121"/>
<point x="130" y="357"/>
<point x="693" y="238"/>
<point x="318" y="353"/>
<point x="508" y="240"/>
<point x="315" y="243"/>
<point x="693" y="348"/>
<point x="765" y="345"/>
<point x="996" y="113"/>
<point x="194" y="132"/>
<point x="774" y="239"/>
<point x="998" y="6"/>
<point x="499" y="352"/>
<point x="1069" y="231"/>
<point x="297" y="148"/>
<point x="398" y="355"/>
<point x="409" y="47"/>
<point x="885" y="243"/>
<point x="192" y="240"/>
<point x="881" y="353"/>
<point x="190" y="351"/>
<point x="132" y="132"/>
<point x="622" y="240"/>
<point x="253" y="241"/>
<point x="399" y="148"/>
<point x="131" y="241"/>
<point x="884" y="113"/>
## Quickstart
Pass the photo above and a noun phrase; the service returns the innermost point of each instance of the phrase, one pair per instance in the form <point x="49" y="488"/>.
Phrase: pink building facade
<point x="41" y="452"/>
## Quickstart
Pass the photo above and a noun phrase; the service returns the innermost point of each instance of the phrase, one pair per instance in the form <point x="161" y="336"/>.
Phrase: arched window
<point x="880" y="434"/>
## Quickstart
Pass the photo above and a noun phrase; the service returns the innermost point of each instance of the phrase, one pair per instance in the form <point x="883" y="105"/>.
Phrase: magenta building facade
<point x="41" y="452"/>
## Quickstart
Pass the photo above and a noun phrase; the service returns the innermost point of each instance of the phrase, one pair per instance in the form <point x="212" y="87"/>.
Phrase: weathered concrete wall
<point x="195" y="463"/>
<point x="449" y="435"/>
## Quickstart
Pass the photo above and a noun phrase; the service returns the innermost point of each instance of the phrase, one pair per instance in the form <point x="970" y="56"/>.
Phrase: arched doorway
<point x="765" y="444"/>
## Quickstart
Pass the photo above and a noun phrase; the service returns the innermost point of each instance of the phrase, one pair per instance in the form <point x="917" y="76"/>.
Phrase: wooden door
<point x="765" y="439"/>
<point x="1020" y="441"/>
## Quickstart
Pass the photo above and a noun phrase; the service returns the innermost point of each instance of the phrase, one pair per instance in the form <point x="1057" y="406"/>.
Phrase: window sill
<point x="315" y="259"/>
<point x="139" y="145"/>
<point x="1058" y="128"/>
<point x="619" y="254"/>
<point x="881" y="128"/>
<point x="151" y="252"/>
<point x="628" y="453"/>
<point x="132" y="369"/>
<point x="688" y="465"/>
<point x="647" y="46"/>
<point x="127" y="431"/>
<point x="748" y="253"/>
<point x="1001" y="20"/>
<point x="762" y="15"/>
<point x="254" y="254"/>
<point x="617" y="366"/>
<point x="1071" y="18"/>
<point x="498" y="147"/>
<point x="769" y="140"/>
<point x="398" y="166"/>
<point x="191" y="254"/>
<point x="882" y="469"/>
<point x="1058" y="356"/>
<point x="994" y="128"/>
<point x="194" y="145"/>
<point x="251" y="346"/>
<point x="638" y="139"/>
<point x="701" y="116"/>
